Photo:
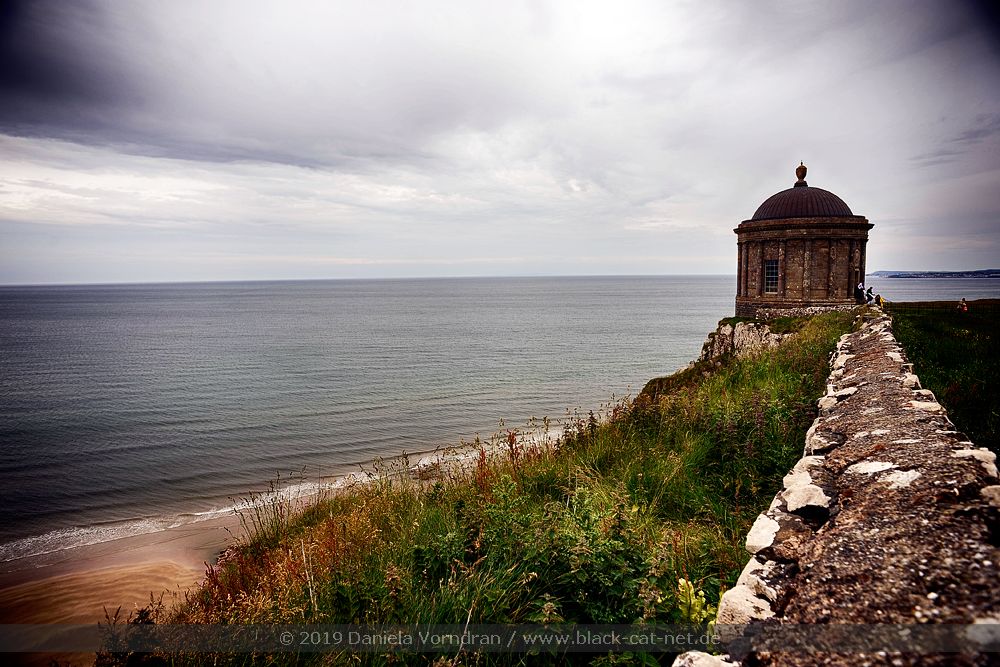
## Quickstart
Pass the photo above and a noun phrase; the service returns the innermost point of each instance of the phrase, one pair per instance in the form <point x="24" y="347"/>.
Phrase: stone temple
<point x="803" y="251"/>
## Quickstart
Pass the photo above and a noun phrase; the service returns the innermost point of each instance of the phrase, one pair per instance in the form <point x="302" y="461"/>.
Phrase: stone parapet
<point x="891" y="520"/>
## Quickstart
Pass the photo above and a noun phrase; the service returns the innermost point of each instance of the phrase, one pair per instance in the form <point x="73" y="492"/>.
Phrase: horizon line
<point x="360" y="278"/>
<point x="107" y="283"/>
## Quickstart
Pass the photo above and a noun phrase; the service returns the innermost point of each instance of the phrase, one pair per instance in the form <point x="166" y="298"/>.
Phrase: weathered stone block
<point x="739" y="606"/>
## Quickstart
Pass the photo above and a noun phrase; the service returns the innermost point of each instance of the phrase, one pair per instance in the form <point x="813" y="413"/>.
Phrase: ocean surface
<point x="935" y="289"/>
<point x="130" y="409"/>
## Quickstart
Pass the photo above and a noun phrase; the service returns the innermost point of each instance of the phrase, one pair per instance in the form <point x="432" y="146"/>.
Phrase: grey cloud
<point x="148" y="78"/>
<point x="230" y="82"/>
<point x="937" y="157"/>
<point x="981" y="128"/>
<point x="437" y="129"/>
<point x="985" y="126"/>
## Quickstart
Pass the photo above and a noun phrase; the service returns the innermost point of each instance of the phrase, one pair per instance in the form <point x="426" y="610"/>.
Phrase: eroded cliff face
<point x="885" y="537"/>
<point x="728" y="340"/>
<point x="740" y="340"/>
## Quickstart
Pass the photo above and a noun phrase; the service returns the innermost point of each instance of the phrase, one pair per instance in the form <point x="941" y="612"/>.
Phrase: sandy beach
<point x="75" y="586"/>
<point x="79" y="586"/>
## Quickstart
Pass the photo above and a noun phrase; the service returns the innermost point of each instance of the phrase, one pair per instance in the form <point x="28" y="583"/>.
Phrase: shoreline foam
<point x="79" y="583"/>
<point x="40" y="550"/>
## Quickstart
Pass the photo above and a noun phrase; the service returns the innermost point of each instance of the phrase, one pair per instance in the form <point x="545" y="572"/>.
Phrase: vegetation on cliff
<point x="957" y="356"/>
<point x="599" y="527"/>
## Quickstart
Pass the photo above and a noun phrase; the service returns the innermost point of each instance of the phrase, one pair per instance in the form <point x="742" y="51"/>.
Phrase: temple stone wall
<point x="820" y="260"/>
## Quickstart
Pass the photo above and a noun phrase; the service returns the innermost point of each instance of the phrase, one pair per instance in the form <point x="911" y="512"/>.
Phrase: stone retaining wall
<point x="769" y="313"/>
<point x="891" y="519"/>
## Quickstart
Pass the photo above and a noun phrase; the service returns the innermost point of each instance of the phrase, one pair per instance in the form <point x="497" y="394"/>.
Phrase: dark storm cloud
<point x="224" y="81"/>
<point x="60" y="76"/>
<point x="65" y="76"/>
<point x="986" y="14"/>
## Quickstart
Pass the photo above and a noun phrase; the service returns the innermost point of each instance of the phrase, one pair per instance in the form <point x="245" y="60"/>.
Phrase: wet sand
<point x="76" y="586"/>
<point x="82" y="597"/>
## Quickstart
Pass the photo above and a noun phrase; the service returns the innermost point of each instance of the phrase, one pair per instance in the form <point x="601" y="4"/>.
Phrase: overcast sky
<point x="184" y="140"/>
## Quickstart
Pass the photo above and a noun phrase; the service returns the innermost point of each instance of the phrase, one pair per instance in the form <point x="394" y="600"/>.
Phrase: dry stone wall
<point x="890" y="519"/>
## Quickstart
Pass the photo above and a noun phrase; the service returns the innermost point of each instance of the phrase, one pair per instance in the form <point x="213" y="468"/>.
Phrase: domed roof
<point x="802" y="201"/>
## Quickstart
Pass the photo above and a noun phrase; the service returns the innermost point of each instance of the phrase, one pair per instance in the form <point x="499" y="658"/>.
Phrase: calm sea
<point x="129" y="409"/>
<point x="935" y="289"/>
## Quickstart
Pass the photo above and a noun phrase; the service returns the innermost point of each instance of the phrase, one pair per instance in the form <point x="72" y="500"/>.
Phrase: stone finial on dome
<point x="800" y="173"/>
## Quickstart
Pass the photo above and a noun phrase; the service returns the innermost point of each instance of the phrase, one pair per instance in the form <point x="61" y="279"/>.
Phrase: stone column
<point x="852" y="265"/>
<point x="832" y="263"/>
<point x="760" y="269"/>
<point x="807" y="260"/>
<point x="746" y="267"/>
<point x="864" y="243"/>
<point x="781" y="268"/>
<point x="748" y="255"/>
<point x="739" y="269"/>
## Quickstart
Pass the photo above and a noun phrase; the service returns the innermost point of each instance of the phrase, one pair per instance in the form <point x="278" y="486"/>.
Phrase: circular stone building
<point x="803" y="251"/>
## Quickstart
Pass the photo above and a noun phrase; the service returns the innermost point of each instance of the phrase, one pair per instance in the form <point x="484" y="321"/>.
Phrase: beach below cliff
<point x="80" y="586"/>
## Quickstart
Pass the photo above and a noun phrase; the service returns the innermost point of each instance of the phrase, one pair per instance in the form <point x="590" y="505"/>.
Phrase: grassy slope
<point x="957" y="356"/>
<point x="599" y="529"/>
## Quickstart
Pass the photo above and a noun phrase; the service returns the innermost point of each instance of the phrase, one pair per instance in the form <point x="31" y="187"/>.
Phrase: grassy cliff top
<point x="957" y="356"/>
<point x="637" y="514"/>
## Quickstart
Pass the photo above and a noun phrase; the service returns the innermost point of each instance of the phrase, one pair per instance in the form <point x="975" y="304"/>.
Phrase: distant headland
<point x="981" y="273"/>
